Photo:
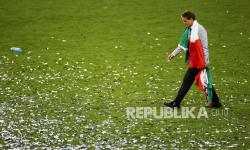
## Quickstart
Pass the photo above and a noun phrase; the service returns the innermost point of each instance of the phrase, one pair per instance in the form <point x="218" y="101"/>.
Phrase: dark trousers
<point x="187" y="83"/>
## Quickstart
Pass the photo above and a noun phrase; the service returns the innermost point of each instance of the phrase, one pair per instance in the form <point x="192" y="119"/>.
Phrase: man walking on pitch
<point x="194" y="42"/>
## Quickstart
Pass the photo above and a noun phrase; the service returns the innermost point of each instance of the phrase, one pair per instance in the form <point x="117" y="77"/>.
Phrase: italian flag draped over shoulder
<point x="192" y="44"/>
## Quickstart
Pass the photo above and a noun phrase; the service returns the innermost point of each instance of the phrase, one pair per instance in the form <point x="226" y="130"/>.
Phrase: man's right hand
<point x="170" y="57"/>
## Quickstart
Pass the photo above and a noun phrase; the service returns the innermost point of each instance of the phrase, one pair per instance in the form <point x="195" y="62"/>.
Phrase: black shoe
<point x="172" y="104"/>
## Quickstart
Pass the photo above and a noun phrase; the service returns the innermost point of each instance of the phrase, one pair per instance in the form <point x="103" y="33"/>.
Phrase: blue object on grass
<point x="16" y="49"/>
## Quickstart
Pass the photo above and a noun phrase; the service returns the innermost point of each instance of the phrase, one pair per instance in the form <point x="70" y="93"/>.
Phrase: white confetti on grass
<point x="67" y="81"/>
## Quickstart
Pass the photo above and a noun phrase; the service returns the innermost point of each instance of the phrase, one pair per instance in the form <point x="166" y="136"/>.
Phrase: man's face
<point x="187" y="22"/>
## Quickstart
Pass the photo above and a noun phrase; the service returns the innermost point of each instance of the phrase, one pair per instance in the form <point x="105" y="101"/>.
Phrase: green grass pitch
<point x="85" y="61"/>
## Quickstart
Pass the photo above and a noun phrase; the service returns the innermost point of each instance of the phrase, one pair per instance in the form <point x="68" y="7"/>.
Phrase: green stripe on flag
<point x="184" y="39"/>
<point x="209" y="86"/>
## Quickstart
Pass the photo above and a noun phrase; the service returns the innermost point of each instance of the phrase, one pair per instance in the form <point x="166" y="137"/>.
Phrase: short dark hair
<point x="188" y="14"/>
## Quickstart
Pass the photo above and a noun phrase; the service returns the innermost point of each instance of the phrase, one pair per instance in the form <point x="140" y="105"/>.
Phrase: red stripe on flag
<point x="196" y="59"/>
